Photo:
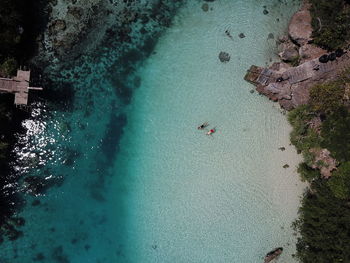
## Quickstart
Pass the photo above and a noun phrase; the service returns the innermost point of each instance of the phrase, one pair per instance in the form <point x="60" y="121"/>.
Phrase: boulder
<point x="205" y="7"/>
<point x="324" y="162"/>
<point x="288" y="51"/>
<point x="299" y="28"/>
<point x="76" y="12"/>
<point x="57" y="26"/>
<point x="224" y="57"/>
<point x="283" y="39"/>
<point x="289" y="54"/>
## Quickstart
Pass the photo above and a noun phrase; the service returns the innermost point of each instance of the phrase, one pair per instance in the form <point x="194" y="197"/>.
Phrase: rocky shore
<point x="78" y="27"/>
<point x="302" y="65"/>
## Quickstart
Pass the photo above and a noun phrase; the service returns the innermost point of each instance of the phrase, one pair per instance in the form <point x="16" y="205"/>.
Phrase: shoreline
<point x="312" y="84"/>
<point x="28" y="26"/>
<point x="290" y="84"/>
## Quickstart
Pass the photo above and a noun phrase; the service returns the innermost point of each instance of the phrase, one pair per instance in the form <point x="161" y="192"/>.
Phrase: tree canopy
<point x="330" y="22"/>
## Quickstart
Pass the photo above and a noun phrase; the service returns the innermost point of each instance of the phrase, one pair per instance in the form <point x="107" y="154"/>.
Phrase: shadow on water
<point x="110" y="141"/>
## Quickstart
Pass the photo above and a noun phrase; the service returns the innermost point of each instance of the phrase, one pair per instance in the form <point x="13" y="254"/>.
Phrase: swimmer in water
<point x="211" y="131"/>
<point x="201" y="127"/>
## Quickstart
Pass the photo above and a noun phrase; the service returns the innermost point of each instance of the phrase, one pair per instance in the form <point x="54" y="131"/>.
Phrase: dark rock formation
<point x="76" y="12"/>
<point x="205" y="7"/>
<point x="273" y="254"/>
<point x="241" y="35"/>
<point x="57" y="26"/>
<point x="224" y="57"/>
<point x="289" y="52"/>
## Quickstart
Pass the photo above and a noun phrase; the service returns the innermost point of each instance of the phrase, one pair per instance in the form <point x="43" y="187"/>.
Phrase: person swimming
<point x="211" y="131"/>
<point x="201" y="127"/>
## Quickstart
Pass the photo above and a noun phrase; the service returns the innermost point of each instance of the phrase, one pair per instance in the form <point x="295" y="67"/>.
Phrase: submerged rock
<point x="37" y="185"/>
<point x="273" y="254"/>
<point x="39" y="257"/>
<point x="205" y="7"/>
<point x="57" y="26"/>
<point x="76" y="12"/>
<point x="241" y="35"/>
<point x="224" y="57"/>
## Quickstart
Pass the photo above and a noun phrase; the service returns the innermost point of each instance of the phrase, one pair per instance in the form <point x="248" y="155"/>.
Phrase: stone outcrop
<point x="290" y="85"/>
<point x="289" y="51"/>
<point x="299" y="27"/>
<point x="308" y="51"/>
<point x="57" y="26"/>
<point x="324" y="162"/>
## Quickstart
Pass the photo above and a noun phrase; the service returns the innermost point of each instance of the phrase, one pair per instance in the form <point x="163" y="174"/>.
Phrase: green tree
<point x="307" y="173"/>
<point x="326" y="97"/>
<point x="335" y="133"/>
<point x="330" y="21"/>
<point x="339" y="183"/>
<point x="9" y="67"/>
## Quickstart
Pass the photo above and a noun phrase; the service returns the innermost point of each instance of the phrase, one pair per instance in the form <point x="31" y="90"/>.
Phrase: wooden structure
<point x="18" y="85"/>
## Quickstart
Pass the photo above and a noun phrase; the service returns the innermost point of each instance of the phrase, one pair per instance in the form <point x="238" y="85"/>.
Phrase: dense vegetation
<point x="20" y="23"/>
<point x="324" y="221"/>
<point x="330" y="21"/>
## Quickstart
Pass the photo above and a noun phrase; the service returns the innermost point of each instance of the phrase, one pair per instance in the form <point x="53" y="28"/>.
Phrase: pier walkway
<point x="18" y="85"/>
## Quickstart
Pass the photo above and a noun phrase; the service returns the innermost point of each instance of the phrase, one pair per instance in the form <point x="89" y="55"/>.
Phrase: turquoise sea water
<point x="135" y="181"/>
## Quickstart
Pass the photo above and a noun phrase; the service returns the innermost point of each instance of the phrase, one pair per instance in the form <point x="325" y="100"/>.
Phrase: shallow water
<point x="141" y="183"/>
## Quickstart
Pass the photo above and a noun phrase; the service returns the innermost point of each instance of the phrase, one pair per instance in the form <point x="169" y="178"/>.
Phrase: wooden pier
<point x="18" y="85"/>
